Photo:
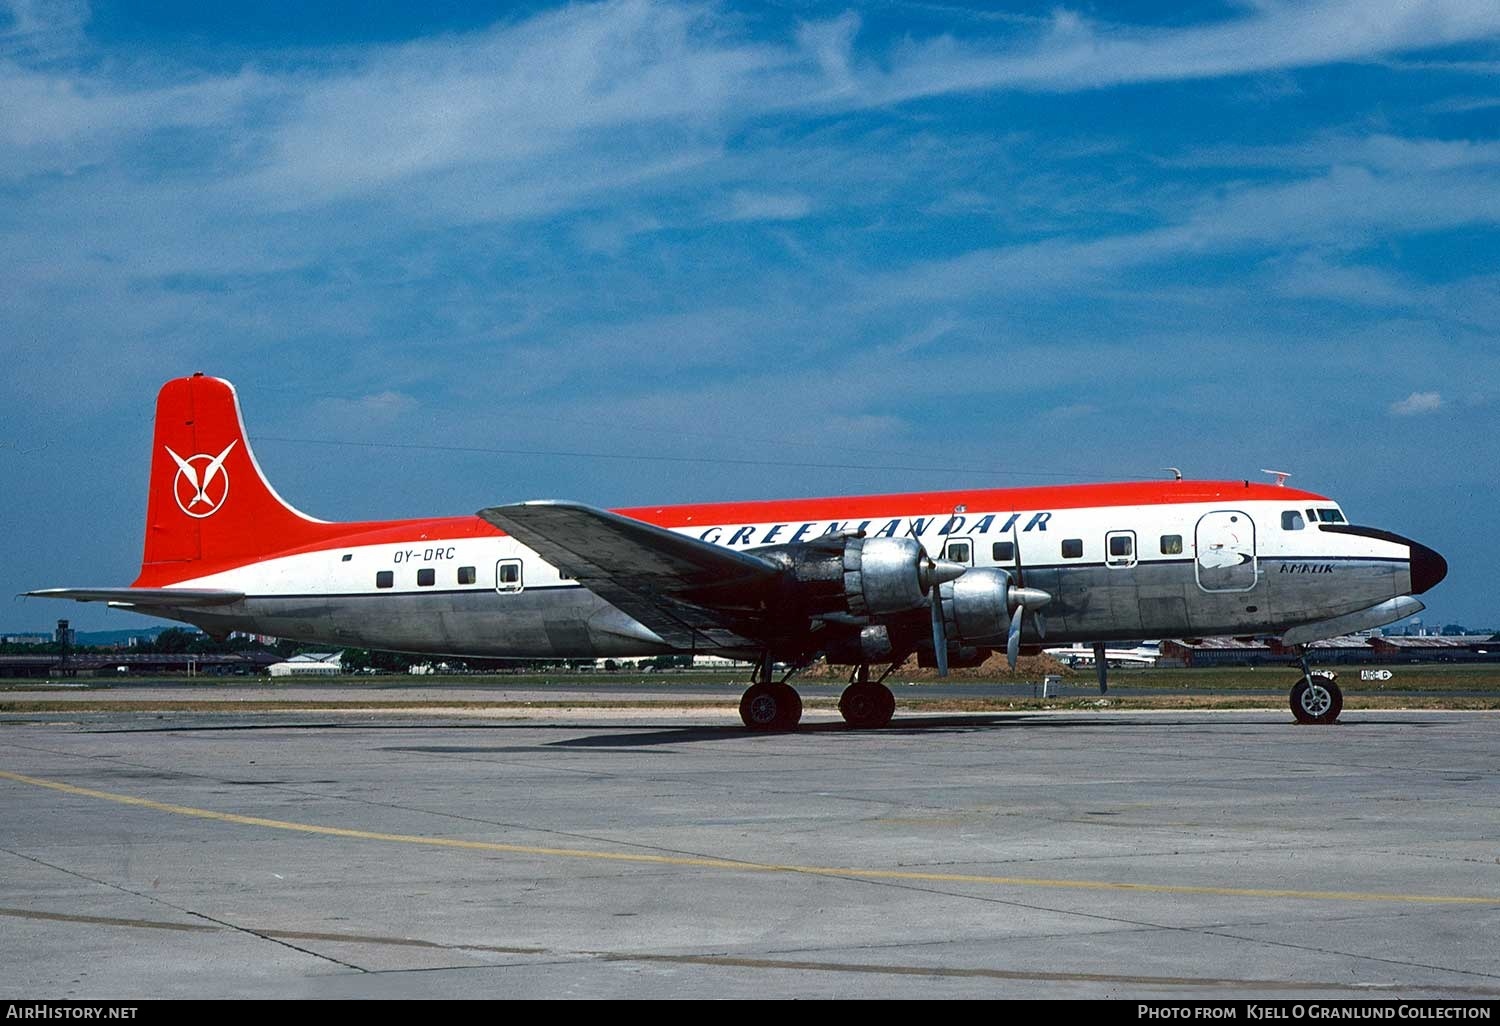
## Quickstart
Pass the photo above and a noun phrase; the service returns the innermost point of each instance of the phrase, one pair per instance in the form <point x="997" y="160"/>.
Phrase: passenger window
<point x="1171" y="545"/>
<point x="466" y="575"/>
<point x="385" y="579"/>
<point x="426" y="577"/>
<point x="1072" y="548"/>
<point x="1291" y="520"/>
<point x="1004" y="552"/>
<point x="959" y="551"/>
<point x="1120" y="546"/>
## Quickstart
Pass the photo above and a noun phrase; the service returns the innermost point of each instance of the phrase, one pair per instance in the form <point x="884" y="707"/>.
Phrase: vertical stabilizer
<point x="209" y="506"/>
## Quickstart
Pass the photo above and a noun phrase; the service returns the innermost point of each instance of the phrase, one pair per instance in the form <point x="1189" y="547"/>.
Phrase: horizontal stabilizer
<point x="173" y="598"/>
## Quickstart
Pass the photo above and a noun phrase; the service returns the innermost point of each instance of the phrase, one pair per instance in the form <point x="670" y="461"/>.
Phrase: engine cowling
<point x="886" y="575"/>
<point x="852" y="645"/>
<point x="860" y="578"/>
<point x="977" y="607"/>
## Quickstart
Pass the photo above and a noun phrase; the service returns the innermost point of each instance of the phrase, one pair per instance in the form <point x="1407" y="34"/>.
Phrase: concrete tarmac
<point x="597" y="854"/>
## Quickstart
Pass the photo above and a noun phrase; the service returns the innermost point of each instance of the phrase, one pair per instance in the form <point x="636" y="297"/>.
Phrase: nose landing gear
<point x="1315" y="697"/>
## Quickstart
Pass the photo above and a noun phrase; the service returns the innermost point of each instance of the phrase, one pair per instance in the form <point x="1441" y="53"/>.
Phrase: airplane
<point x="1079" y="654"/>
<point x="862" y="580"/>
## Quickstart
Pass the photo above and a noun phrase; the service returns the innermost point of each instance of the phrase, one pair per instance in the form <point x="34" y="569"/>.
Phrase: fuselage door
<point x="959" y="550"/>
<point x="1119" y="549"/>
<point x="1225" y="551"/>
<point x="508" y="575"/>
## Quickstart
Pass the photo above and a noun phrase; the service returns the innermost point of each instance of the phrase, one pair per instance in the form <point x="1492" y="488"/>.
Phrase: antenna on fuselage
<point x="1176" y="474"/>
<point x="1280" y="475"/>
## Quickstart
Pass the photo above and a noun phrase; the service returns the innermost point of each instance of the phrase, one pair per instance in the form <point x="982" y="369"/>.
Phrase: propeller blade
<point x="939" y="635"/>
<point x="1013" y="638"/>
<point x="1040" y="622"/>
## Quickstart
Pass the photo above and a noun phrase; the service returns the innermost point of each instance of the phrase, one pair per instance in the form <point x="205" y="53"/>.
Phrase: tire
<point x="1318" y="702"/>
<point x="867" y="706"/>
<point x="768" y="707"/>
<point x="792" y="703"/>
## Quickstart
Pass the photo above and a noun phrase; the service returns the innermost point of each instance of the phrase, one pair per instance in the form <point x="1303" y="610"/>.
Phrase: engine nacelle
<point x="964" y="657"/>
<point x="977" y="607"/>
<point x="854" y="646"/>
<point x="859" y="578"/>
<point x="885" y="575"/>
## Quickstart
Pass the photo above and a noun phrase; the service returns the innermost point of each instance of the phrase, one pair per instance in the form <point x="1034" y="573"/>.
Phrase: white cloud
<point x="1078" y="54"/>
<point x="376" y="409"/>
<point x="1343" y="208"/>
<point x="1417" y="403"/>
<point x="761" y="206"/>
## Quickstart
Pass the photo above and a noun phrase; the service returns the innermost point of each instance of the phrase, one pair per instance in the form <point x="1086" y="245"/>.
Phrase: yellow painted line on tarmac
<point x="703" y="862"/>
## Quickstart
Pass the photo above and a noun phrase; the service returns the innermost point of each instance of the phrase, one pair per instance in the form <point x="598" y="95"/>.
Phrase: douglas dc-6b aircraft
<point x="949" y="576"/>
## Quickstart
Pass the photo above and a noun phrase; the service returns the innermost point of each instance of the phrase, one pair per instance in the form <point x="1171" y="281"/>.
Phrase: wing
<point x="691" y="593"/>
<point x="158" y="598"/>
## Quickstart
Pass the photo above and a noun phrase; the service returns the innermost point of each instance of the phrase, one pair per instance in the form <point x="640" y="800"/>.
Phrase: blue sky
<point x="798" y="249"/>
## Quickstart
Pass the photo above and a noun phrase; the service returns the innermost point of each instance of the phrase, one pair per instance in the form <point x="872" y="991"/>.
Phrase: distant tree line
<point x="172" y="641"/>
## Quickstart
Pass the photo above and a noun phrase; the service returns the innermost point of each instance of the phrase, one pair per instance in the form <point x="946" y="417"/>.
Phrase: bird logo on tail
<point x="208" y="490"/>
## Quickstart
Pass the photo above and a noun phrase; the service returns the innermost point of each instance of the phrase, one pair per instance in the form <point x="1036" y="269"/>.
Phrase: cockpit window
<point x="1291" y="520"/>
<point x="1331" y="516"/>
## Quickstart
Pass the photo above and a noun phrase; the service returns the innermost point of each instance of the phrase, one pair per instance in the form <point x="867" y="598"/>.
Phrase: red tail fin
<point x="209" y="506"/>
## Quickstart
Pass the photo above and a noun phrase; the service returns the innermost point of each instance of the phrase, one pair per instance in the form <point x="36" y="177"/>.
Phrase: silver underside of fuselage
<point x="1090" y="603"/>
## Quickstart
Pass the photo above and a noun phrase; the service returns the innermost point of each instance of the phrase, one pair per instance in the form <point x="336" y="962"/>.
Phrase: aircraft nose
<point x="1427" y="568"/>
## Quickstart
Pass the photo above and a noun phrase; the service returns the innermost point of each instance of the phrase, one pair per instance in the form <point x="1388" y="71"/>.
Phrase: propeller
<point x="939" y="635"/>
<point x="933" y="574"/>
<point x="1020" y="598"/>
<point x="1025" y="599"/>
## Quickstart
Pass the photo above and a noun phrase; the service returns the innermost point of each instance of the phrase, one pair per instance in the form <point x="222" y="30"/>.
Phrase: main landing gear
<point x="1315" y="697"/>
<point x="866" y="705"/>
<point x="770" y="705"/>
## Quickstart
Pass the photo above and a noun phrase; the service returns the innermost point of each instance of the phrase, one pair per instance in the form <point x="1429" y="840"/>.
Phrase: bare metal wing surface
<point x="690" y="592"/>
<point x="173" y="598"/>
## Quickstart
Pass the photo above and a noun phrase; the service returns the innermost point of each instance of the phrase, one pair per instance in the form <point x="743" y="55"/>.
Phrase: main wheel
<point x="770" y="707"/>
<point x="867" y="706"/>
<point x="792" y="714"/>
<point x="1317" y="700"/>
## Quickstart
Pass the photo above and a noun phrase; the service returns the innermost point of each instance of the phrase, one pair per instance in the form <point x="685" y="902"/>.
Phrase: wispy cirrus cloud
<point x="1417" y="403"/>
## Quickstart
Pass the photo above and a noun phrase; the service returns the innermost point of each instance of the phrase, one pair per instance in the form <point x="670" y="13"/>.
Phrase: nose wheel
<point x="1316" y="699"/>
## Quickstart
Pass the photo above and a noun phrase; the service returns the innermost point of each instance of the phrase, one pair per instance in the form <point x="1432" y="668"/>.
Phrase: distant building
<point x="712" y="662"/>
<point x="1460" y="648"/>
<point x="309" y="664"/>
<point x="1348" y="648"/>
